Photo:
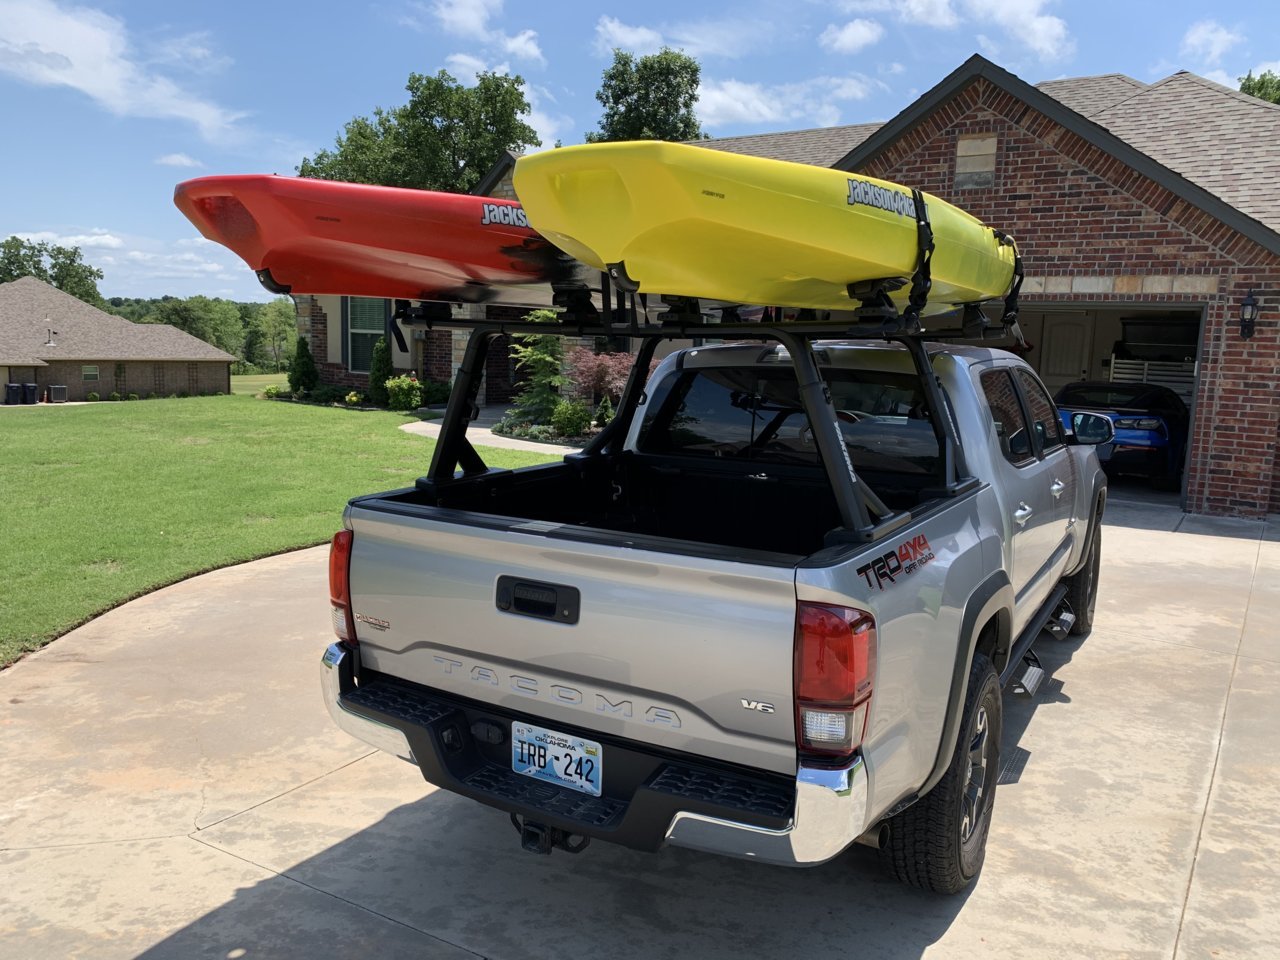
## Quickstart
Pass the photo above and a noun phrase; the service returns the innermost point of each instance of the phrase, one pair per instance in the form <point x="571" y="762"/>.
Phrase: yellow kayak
<point x="689" y="221"/>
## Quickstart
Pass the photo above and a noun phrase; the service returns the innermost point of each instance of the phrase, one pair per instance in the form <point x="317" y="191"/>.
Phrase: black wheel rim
<point x="975" y="787"/>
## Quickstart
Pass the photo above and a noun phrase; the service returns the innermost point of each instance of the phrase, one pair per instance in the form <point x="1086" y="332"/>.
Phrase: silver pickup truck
<point x="769" y="612"/>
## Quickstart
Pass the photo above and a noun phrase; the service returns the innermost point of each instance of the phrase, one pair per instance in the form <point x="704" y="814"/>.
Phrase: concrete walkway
<point x="174" y="789"/>
<point x="480" y="435"/>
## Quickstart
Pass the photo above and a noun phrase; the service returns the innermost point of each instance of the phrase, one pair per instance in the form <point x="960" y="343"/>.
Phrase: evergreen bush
<point x="303" y="374"/>
<point x="541" y="356"/>
<point x="571" y="418"/>
<point x="380" y="371"/>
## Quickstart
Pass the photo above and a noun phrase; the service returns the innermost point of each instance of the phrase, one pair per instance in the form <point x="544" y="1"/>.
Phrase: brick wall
<point x="143" y="377"/>
<point x="1091" y="229"/>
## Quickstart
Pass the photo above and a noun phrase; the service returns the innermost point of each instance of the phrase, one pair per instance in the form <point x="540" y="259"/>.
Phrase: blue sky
<point x="104" y="106"/>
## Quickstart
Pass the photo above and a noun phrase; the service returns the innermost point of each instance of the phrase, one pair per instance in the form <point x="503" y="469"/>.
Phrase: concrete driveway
<point x="173" y="788"/>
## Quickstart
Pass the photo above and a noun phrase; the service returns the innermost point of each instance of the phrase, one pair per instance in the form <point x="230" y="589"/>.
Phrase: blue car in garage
<point x="1151" y="424"/>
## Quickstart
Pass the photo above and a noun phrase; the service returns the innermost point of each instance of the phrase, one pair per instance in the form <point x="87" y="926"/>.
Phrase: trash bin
<point x="57" y="393"/>
<point x="30" y="393"/>
<point x="12" y="393"/>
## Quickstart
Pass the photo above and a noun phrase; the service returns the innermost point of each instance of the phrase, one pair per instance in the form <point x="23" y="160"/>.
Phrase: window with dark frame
<point x="1044" y="418"/>
<point x="89" y="372"/>
<point x="1006" y="412"/>
<point x="366" y="323"/>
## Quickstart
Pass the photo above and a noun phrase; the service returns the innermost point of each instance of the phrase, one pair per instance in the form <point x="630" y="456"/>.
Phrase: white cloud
<point x="96" y="239"/>
<point x="466" y="18"/>
<point x="550" y="125"/>
<point x="465" y="67"/>
<point x="87" y="50"/>
<point x="178" y="160"/>
<point x="816" y="101"/>
<point x="1026" y="23"/>
<point x="891" y="69"/>
<point x="612" y="32"/>
<point x="924" y="13"/>
<point x="851" y="37"/>
<point x="1208" y="41"/>
<point x="1222" y="77"/>
<point x="1271" y="66"/>
<point x="990" y="49"/>
<point x="523" y="46"/>
<point x="191" y="51"/>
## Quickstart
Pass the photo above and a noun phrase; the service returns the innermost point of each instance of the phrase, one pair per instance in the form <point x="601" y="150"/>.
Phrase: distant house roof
<point x="1088" y="96"/>
<point x="822" y="147"/>
<point x="506" y="160"/>
<point x="29" y="308"/>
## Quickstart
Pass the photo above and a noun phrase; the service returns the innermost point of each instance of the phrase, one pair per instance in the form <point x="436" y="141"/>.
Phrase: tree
<point x="269" y="330"/>
<point x="541" y="356"/>
<point x="63" y="267"/>
<point x="1265" y="86"/>
<point x="650" y="98"/>
<point x="214" y="321"/>
<point x="445" y="138"/>
<point x="380" y="371"/>
<point x="303" y="375"/>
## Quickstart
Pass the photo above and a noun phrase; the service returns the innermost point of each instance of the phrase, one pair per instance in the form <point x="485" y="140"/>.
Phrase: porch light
<point x="1248" y="316"/>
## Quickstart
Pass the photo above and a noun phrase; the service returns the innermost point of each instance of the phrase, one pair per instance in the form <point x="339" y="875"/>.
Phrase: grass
<point x="108" y="501"/>
<point x="251" y="385"/>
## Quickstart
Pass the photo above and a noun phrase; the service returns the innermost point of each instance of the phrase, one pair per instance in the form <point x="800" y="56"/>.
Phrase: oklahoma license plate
<point x="557" y="758"/>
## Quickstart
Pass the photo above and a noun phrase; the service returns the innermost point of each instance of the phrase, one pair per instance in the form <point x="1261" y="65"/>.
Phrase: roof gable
<point x="1249" y="223"/>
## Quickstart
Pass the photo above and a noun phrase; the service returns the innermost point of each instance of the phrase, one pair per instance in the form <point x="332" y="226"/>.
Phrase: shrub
<point x="132" y="396"/>
<point x="326" y="395"/>
<point x="599" y="374"/>
<point x="435" y="392"/>
<point x="604" y="412"/>
<point x="380" y="371"/>
<point x="403" y="392"/>
<point x="182" y="395"/>
<point x="92" y="396"/>
<point x="114" y="395"/>
<point x="271" y="392"/>
<point x="541" y="355"/>
<point x="511" y="426"/>
<point x="303" y="375"/>
<point x="571" y="418"/>
<point x="353" y="399"/>
<point x="241" y="368"/>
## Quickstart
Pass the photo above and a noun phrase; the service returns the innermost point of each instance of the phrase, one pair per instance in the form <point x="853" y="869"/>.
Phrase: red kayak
<point x="320" y="236"/>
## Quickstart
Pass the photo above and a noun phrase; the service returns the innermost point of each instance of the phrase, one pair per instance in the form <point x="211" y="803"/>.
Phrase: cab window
<point x="1006" y="412"/>
<point x="1044" y="417"/>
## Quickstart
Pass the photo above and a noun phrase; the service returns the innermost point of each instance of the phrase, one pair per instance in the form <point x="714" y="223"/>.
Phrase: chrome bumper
<point x="335" y="679"/>
<point x="831" y="813"/>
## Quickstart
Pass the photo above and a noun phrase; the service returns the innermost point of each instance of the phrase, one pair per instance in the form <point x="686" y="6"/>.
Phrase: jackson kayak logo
<point x="908" y="558"/>
<point x="882" y="198"/>
<point x="506" y="214"/>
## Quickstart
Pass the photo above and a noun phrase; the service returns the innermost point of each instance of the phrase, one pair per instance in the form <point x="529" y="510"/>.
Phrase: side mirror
<point x="1092" y="429"/>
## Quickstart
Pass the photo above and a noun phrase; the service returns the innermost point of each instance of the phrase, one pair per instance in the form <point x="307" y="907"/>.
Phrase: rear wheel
<point x="939" y="842"/>
<point x="1082" y="587"/>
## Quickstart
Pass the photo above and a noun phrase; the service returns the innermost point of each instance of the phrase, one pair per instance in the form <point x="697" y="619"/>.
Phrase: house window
<point x="89" y="372"/>
<point x="366" y="322"/>
<point x="157" y="378"/>
<point x="975" y="162"/>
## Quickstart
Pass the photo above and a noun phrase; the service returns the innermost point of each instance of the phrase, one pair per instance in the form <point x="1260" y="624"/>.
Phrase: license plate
<point x="557" y="758"/>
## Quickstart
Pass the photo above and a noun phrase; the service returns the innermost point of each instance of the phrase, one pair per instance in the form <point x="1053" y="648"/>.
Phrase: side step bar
<point x="1052" y="610"/>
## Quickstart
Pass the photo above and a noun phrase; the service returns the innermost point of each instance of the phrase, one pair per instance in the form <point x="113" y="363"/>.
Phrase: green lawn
<point x="107" y="501"/>
<point x="259" y="382"/>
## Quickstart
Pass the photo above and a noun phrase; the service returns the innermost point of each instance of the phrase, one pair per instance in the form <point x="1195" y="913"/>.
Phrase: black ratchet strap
<point x="921" y="282"/>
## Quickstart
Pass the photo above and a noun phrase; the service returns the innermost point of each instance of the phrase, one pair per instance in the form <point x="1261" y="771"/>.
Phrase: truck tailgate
<point x="683" y="653"/>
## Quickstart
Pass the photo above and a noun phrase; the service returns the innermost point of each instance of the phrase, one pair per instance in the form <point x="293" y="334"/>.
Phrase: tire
<point x="939" y="842"/>
<point x="1082" y="587"/>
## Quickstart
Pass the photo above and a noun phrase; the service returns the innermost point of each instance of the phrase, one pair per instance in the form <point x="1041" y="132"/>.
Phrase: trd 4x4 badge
<point x="908" y="558"/>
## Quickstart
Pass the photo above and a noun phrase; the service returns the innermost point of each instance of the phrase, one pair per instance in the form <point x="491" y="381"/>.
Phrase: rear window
<point x="755" y="414"/>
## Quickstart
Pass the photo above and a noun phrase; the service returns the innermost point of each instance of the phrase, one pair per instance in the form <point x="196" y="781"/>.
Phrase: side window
<point x="1044" y="416"/>
<point x="1006" y="411"/>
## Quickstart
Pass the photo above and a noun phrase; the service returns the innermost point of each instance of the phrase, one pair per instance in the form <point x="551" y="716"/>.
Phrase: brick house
<point x="49" y="338"/>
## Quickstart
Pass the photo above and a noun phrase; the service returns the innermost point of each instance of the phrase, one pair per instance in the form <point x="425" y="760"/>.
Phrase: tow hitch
<point x="539" y="838"/>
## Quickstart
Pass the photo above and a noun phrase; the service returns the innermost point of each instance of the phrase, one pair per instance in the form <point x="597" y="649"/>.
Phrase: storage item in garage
<point x="58" y="393"/>
<point x="30" y="393"/>
<point x="12" y="393"/>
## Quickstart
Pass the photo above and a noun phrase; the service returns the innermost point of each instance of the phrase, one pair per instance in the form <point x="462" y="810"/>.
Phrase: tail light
<point x="835" y="654"/>
<point x="344" y="622"/>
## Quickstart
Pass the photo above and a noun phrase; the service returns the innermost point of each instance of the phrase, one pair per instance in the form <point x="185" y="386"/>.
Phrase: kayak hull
<point x="689" y="221"/>
<point x="326" y="237"/>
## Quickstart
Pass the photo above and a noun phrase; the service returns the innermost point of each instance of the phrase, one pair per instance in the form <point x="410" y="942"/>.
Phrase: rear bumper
<point x="651" y="798"/>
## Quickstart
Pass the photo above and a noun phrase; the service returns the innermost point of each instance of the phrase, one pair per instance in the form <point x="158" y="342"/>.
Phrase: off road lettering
<point x="503" y="213"/>
<point x="907" y="558"/>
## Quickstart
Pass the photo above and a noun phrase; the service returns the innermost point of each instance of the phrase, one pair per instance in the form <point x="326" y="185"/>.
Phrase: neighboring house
<point x="49" y="338"/>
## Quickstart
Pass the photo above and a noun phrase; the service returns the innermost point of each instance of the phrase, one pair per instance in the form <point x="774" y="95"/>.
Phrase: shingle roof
<point x="822" y="146"/>
<point x="29" y="308"/>
<point x="1089" y="96"/>
<point x="1220" y="139"/>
